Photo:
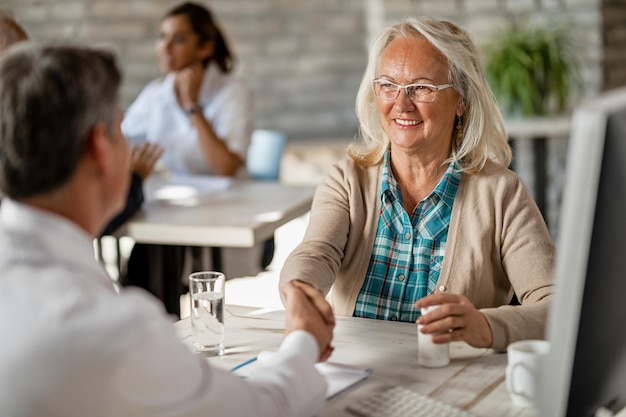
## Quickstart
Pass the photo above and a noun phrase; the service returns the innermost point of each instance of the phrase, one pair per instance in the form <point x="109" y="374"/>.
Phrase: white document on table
<point x="180" y="188"/>
<point x="339" y="377"/>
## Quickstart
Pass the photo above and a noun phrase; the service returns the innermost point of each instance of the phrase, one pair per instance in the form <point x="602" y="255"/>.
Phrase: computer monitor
<point x="586" y="367"/>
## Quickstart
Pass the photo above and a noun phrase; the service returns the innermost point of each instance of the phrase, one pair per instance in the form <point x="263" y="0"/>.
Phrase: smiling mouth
<point x="404" y="122"/>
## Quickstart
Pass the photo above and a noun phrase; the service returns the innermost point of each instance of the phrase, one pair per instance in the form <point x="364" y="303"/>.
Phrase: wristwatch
<point x="196" y="108"/>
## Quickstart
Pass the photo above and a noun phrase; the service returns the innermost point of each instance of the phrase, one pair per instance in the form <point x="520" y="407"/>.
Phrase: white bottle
<point x="429" y="354"/>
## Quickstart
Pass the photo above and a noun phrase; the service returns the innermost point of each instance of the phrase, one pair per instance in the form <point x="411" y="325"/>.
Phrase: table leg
<point x="540" y="161"/>
<point x="165" y="264"/>
<point x="216" y="254"/>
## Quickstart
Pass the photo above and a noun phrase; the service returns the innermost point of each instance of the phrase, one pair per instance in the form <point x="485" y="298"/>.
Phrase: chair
<point x="263" y="163"/>
<point x="265" y="154"/>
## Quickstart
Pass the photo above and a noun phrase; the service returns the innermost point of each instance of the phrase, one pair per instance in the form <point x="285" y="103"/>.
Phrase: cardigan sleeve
<point x="527" y="253"/>
<point x="318" y="257"/>
<point x="338" y="243"/>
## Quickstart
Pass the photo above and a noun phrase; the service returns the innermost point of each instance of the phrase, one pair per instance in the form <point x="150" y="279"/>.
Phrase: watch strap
<point x="196" y="108"/>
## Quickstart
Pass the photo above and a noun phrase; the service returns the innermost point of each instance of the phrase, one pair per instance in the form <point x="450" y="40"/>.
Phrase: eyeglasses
<point x="417" y="93"/>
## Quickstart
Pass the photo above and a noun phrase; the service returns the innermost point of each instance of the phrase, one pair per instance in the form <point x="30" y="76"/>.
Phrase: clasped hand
<point x="307" y="309"/>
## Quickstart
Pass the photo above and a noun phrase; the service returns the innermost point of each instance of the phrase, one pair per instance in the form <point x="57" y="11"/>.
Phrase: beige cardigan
<point x="497" y="243"/>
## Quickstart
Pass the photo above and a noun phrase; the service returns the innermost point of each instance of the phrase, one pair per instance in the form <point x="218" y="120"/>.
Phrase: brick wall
<point x="304" y="58"/>
<point x="614" y="37"/>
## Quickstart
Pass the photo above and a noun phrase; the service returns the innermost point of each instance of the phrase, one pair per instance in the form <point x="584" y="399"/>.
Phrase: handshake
<point x="308" y="310"/>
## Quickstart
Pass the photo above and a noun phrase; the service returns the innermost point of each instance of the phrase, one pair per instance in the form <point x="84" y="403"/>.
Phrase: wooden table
<point x="243" y="215"/>
<point x="473" y="381"/>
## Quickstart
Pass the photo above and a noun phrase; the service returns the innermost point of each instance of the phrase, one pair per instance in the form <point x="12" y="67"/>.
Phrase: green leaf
<point x="533" y="69"/>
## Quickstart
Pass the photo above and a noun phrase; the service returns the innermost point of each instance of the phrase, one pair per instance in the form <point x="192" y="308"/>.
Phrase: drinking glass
<point x="207" y="311"/>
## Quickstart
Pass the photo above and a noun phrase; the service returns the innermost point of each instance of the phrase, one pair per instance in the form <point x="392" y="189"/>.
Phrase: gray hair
<point x="484" y="134"/>
<point x="51" y="97"/>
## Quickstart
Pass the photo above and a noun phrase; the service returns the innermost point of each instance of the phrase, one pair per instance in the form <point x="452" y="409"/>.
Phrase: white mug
<point x="525" y="361"/>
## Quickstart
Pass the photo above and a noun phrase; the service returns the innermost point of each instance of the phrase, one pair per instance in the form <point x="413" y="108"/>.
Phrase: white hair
<point x="483" y="135"/>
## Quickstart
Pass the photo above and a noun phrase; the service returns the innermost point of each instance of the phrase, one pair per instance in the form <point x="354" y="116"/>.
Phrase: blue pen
<point x="241" y="365"/>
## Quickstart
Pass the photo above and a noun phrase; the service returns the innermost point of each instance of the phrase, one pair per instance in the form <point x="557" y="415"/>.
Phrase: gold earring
<point x="459" y="128"/>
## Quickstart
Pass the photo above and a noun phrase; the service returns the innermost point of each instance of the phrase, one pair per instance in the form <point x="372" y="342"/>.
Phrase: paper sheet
<point x="338" y="376"/>
<point x="179" y="188"/>
<point x="341" y="377"/>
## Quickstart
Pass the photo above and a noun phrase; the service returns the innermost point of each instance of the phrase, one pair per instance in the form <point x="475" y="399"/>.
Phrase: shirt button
<point x="394" y="318"/>
<point x="442" y="288"/>
<point x="407" y="236"/>
<point x="401" y="277"/>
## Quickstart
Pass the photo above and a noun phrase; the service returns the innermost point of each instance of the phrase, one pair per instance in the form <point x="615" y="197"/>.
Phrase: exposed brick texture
<point x="305" y="58"/>
<point x="614" y="38"/>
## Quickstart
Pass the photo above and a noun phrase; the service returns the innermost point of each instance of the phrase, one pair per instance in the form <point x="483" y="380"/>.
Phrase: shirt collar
<point x="389" y="183"/>
<point x="445" y="189"/>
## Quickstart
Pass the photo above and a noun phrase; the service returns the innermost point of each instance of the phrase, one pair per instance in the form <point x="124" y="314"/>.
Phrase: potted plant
<point x="533" y="71"/>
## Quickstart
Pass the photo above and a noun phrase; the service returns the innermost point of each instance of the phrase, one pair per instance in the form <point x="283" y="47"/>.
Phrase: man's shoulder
<point x="20" y="249"/>
<point x="68" y="297"/>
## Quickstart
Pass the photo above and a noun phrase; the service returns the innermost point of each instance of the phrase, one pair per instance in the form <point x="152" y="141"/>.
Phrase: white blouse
<point x="156" y="116"/>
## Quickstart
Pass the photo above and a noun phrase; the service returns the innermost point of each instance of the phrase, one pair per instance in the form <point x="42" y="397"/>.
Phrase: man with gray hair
<point x="73" y="346"/>
<point x="144" y="156"/>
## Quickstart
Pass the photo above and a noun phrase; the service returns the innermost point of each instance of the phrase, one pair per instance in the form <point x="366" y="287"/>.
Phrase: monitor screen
<point x="586" y="367"/>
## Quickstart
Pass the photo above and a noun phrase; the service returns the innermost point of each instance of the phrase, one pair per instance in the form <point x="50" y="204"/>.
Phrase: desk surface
<point x="473" y="381"/>
<point x="246" y="213"/>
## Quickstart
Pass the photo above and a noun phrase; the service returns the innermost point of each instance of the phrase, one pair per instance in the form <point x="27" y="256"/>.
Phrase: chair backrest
<point x="265" y="154"/>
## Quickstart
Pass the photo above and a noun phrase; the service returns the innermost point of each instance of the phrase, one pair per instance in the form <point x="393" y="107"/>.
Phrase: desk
<point x="474" y="380"/>
<point x="243" y="215"/>
<point x="246" y="213"/>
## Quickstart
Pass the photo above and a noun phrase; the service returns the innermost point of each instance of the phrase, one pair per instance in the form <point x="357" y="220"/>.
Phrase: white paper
<point x="182" y="188"/>
<point x="339" y="377"/>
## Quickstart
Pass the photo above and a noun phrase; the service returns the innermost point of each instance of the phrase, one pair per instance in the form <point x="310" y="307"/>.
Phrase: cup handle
<point x="509" y="379"/>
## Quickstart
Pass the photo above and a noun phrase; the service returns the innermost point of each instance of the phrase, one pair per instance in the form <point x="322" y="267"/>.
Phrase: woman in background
<point x="203" y="118"/>
<point x="198" y="111"/>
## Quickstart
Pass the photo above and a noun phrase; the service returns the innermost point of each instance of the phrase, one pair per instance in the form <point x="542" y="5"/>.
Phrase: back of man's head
<point x="51" y="97"/>
<point x="10" y="32"/>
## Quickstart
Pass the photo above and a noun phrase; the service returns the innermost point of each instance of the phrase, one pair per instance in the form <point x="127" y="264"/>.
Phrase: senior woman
<point x="425" y="211"/>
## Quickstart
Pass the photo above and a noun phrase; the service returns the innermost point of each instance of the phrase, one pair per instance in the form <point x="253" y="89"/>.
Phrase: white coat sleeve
<point x="161" y="376"/>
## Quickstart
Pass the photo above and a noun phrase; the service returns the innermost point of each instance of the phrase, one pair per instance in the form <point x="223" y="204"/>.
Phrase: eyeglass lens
<point x="416" y="92"/>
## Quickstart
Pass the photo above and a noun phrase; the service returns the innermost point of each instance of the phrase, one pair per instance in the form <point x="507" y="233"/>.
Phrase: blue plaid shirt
<point x="408" y="250"/>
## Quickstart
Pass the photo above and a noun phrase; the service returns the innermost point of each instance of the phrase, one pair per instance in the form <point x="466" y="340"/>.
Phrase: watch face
<point x="194" y="109"/>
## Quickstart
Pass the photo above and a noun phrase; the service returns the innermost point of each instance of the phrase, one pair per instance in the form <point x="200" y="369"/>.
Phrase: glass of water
<point x="207" y="311"/>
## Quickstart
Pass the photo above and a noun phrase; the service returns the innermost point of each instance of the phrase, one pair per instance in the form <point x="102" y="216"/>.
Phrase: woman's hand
<point x="143" y="158"/>
<point x="456" y="318"/>
<point x="187" y="83"/>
